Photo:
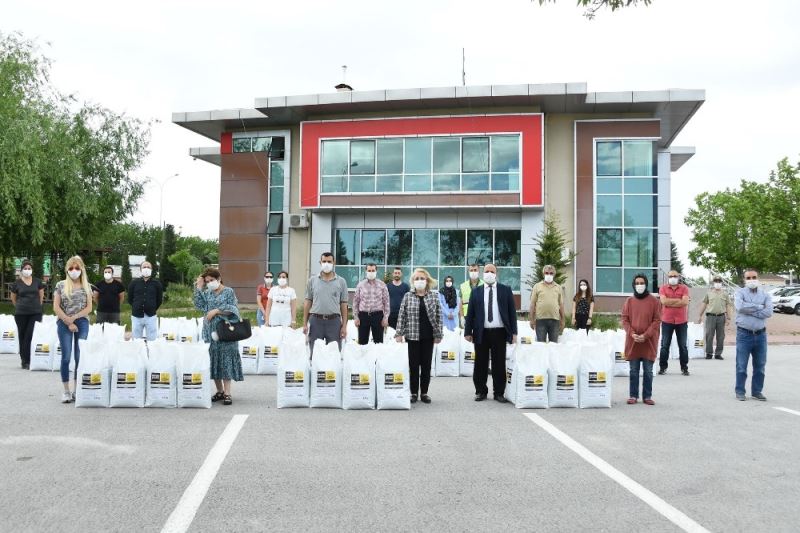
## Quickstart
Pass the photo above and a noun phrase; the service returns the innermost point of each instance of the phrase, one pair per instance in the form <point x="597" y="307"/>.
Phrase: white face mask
<point x="717" y="285"/>
<point x="146" y="272"/>
<point x="473" y="275"/>
<point x="372" y="275"/>
<point x="107" y="276"/>
<point x="640" y="289"/>
<point x="448" y="283"/>
<point x="268" y="281"/>
<point x="27" y="272"/>
<point x="282" y="282"/>
<point x="584" y="287"/>
<point x="489" y="277"/>
<point x="420" y="284"/>
<point x="751" y="283"/>
<point x="212" y="285"/>
<point x="74" y="274"/>
<point x="673" y="280"/>
<point x="548" y="278"/>
<point x="327" y="267"/>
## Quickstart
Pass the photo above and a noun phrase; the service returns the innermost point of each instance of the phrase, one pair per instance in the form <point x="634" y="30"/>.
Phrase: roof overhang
<point x="209" y="154"/>
<point x="678" y="155"/>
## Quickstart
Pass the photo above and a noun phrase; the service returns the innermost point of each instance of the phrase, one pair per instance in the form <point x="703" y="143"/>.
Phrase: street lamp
<point x="161" y="221"/>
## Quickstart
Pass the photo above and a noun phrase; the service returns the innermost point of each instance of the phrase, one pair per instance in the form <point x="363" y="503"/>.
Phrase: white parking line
<point x="669" y="512"/>
<point x="181" y="518"/>
<point x="785" y="410"/>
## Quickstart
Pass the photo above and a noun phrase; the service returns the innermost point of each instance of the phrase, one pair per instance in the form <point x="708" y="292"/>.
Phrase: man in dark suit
<point x="491" y="322"/>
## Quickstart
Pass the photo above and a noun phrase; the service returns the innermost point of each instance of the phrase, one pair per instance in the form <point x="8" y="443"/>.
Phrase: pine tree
<point x="152" y="255"/>
<point x="551" y="250"/>
<point x="676" y="263"/>
<point x="126" y="271"/>
<point x="169" y="273"/>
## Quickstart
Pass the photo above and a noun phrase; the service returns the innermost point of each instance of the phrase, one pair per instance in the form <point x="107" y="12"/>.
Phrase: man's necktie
<point x="491" y="302"/>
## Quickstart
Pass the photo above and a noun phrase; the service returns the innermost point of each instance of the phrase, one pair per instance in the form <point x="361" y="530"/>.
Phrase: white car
<point x="789" y="302"/>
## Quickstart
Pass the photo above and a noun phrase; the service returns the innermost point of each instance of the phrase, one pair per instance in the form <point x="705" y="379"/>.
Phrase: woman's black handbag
<point x="233" y="331"/>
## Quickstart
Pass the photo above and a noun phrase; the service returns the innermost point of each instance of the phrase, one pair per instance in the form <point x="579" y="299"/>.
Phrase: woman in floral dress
<point x="219" y="303"/>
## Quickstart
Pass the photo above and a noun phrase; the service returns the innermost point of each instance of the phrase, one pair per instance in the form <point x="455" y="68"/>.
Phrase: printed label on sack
<point x="91" y="381"/>
<point x="42" y="349"/>
<point x="160" y="380"/>
<point x="294" y="378"/>
<point x="619" y="356"/>
<point x="126" y="380"/>
<point x="534" y="383"/>
<point x="359" y="381"/>
<point x="271" y="351"/>
<point x="566" y="382"/>
<point x="186" y="338"/>
<point x="448" y="356"/>
<point x="526" y="340"/>
<point x="469" y="357"/>
<point x="251" y="352"/>
<point x="699" y="343"/>
<point x="509" y="375"/>
<point x="326" y="378"/>
<point x="8" y="335"/>
<point x="597" y="379"/>
<point x="193" y="380"/>
<point x="168" y="336"/>
<point x="393" y="380"/>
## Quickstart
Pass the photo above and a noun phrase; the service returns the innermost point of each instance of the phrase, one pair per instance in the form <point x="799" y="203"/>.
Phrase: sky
<point x="148" y="59"/>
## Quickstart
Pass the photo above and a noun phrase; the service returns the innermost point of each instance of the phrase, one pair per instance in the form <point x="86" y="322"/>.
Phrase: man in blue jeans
<point x="674" y="298"/>
<point x="753" y="307"/>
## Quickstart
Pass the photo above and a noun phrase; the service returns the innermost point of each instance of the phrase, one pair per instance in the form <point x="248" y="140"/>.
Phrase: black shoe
<point x="218" y="396"/>
<point x="425" y="398"/>
<point x="708" y="356"/>
<point x="26" y="366"/>
<point x="500" y="398"/>
<point x="740" y="397"/>
<point x="760" y="396"/>
<point x="413" y="398"/>
<point x="480" y="396"/>
<point x="719" y="357"/>
<point x="662" y="371"/>
<point x="685" y="371"/>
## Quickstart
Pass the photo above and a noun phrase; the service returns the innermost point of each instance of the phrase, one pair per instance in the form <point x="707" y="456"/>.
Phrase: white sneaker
<point x="66" y="397"/>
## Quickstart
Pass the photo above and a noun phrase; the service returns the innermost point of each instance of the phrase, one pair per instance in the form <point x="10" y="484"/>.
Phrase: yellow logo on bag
<point x="130" y="377"/>
<point x="448" y="356"/>
<point x="398" y="377"/>
<point x="249" y="350"/>
<point x="270" y="350"/>
<point x="538" y="380"/>
<point x="569" y="379"/>
<point x="95" y="379"/>
<point x="164" y="377"/>
<point x="330" y="375"/>
<point x="197" y="378"/>
<point x="187" y="338"/>
<point x="8" y="335"/>
<point x="601" y="376"/>
<point x="363" y="379"/>
<point x="619" y="356"/>
<point x="526" y="340"/>
<point x="42" y="348"/>
<point x="298" y="375"/>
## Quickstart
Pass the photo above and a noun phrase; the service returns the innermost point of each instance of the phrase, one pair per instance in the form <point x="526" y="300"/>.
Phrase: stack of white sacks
<point x="8" y="334"/>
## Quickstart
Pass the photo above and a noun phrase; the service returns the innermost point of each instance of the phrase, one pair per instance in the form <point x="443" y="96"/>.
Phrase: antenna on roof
<point x="343" y="86"/>
<point x="463" y="70"/>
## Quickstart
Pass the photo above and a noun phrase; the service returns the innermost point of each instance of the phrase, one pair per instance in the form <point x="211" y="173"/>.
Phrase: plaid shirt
<point x="371" y="296"/>
<point x="408" y="318"/>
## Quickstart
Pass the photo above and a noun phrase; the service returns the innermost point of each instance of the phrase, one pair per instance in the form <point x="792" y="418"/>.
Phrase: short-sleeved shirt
<point x="28" y="302"/>
<point x="282" y="297"/>
<point x="548" y="300"/>
<point x="326" y="295"/>
<point x="108" y="296"/>
<point x="76" y="303"/>
<point x="583" y="305"/>
<point x="716" y="301"/>
<point x="263" y="294"/>
<point x="674" y="315"/>
<point x="396" y="293"/>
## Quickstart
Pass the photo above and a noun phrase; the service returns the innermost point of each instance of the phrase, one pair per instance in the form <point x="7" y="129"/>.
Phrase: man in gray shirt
<point x="753" y="308"/>
<point x="325" y="306"/>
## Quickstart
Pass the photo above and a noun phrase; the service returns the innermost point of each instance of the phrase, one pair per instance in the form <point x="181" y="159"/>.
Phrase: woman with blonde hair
<point x="419" y="323"/>
<point x="72" y="304"/>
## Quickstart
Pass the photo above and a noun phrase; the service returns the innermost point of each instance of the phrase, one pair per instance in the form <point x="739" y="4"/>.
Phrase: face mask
<point x="371" y="275"/>
<point x="327" y="267"/>
<point x="146" y="272"/>
<point x="489" y="277"/>
<point x="26" y="273"/>
<point x="267" y="281"/>
<point x="420" y="284"/>
<point x="717" y="285"/>
<point x="548" y="278"/>
<point x="108" y="276"/>
<point x="448" y="283"/>
<point x="584" y="287"/>
<point x="212" y="285"/>
<point x="673" y="280"/>
<point x="751" y="283"/>
<point x="640" y="289"/>
<point x="74" y="274"/>
<point x="282" y="282"/>
<point x="473" y="276"/>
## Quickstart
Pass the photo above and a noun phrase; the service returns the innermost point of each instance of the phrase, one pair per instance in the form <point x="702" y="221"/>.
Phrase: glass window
<point x="609" y="185"/>
<point x="640" y="211"/>
<point x="362" y="157"/>
<point x="459" y="274"/>
<point x="641" y="186"/>
<point x="261" y="144"/>
<point x="275" y="224"/>
<point x="446" y="154"/>
<point x="505" y="182"/>
<point x="475" y="154"/>
<point x="373" y="247"/>
<point x="609" y="158"/>
<point x="507" y="248"/>
<point x="452" y="247"/>
<point x="362" y="183"/>
<point x="276" y="174"/>
<point x="426" y="247"/>
<point x="479" y="247"/>
<point x="418" y="155"/>
<point x="447" y="182"/>
<point x="390" y="156"/>
<point x="351" y="274"/>
<point x="398" y="247"/>
<point x="276" y="251"/>
<point x="334" y="184"/>
<point x="609" y="211"/>
<point x="347" y="246"/>
<point x="335" y="157"/>
<point x="242" y="144"/>
<point x="416" y="183"/>
<point x="609" y="247"/>
<point x="509" y="276"/>
<point x="475" y="182"/>
<point x="609" y="280"/>
<point x="639" y="158"/>
<point x="432" y="270"/>
<point x="505" y="153"/>
<point x="276" y="198"/>
<point x="389" y="184"/>
<point x="630" y="273"/>
<point x="640" y="247"/>
<point x="275" y="268"/>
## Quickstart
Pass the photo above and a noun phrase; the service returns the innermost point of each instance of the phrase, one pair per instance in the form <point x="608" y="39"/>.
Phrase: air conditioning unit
<point x="298" y="221"/>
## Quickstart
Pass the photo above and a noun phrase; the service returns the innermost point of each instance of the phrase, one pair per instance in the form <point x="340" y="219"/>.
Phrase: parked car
<point x="789" y="303"/>
<point x="777" y="292"/>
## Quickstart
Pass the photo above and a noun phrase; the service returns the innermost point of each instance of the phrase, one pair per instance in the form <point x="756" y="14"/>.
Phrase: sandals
<point x="227" y="400"/>
<point x="217" y="397"/>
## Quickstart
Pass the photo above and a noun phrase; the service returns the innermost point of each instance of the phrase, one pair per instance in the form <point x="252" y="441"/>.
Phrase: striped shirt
<point x="371" y="296"/>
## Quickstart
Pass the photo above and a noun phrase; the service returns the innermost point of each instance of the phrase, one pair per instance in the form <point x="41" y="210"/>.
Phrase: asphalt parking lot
<point x="454" y="465"/>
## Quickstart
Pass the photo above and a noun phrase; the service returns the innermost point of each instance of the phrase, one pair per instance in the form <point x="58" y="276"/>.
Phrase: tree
<point x="152" y="256"/>
<point x="57" y="157"/>
<point x="126" y="271"/>
<point x="168" y="272"/>
<point x="785" y="201"/>
<point x="592" y="6"/>
<point x="675" y="262"/>
<point x="187" y="265"/>
<point x="551" y="250"/>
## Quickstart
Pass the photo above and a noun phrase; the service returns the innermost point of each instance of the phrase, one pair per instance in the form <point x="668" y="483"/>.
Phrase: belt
<point x="715" y="314"/>
<point x="371" y="312"/>
<point x="752" y="331"/>
<point x="325" y="317"/>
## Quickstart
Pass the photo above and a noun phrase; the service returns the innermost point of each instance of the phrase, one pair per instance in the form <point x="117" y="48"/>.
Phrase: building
<point x="444" y="177"/>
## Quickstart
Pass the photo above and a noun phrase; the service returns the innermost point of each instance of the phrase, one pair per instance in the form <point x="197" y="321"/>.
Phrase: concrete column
<point x="664" y="218"/>
<point x="532" y="225"/>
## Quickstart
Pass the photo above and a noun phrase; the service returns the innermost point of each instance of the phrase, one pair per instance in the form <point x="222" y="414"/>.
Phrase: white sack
<point x="271" y="340"/>
<point x="466" y="365"/>
<point x="113" y="332"/>
<point x="186" y="330"/>
<point x="249" y="350"/>
<point x="168" y="329"/>
<point x="622" y="367"/>
<point x="95" y="331"/>
<point x="563" y="375"/>
<point x="595" y="379"/>
<point x="42" y="348"/>
<point x="129" y="374"/>
<point x="326" y="376"/>
<point x="696" y="341"/>
<point x="358" y="376"/>
<point x="162" y="372"/>
<point x="94" y="375"/>
<point x="194" y="376"/>
<point x="292" y="380"/>
<point x="510" y="393"/>
<point x="391" y="378"/>
<point x="447" y="353"/>
<point x="8" y="334"/>
<point x="531" y="376"/>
